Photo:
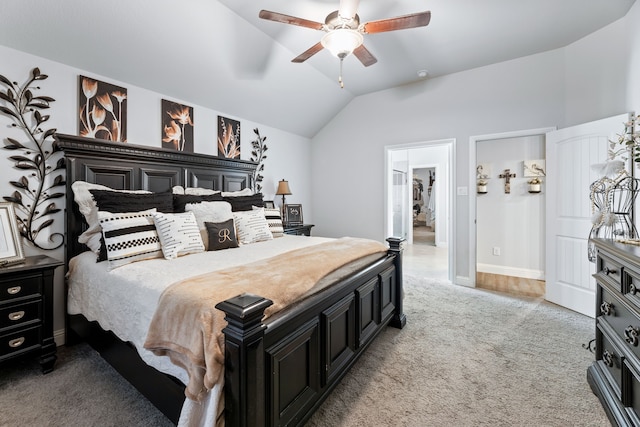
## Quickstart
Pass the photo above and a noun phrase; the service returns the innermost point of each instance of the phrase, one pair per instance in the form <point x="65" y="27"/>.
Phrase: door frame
<point x="473" y="141"/>
<point x="450" y="144"/>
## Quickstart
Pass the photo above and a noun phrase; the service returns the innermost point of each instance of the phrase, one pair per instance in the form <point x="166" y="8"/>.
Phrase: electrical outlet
<point x="496" y="251"/>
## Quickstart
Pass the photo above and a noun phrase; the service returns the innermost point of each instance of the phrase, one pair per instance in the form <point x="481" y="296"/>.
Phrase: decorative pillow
<point x="114" y="201"/>
<point x="243" y="192"/>
<point x="180" y="200"/>
<point x="178" y="233"/>
<point x="88" y="208"/>
<point x="129" y="237"/>
<point x="252" y="226"/>
<point x="274" y="219"/>
<point x="209" y="212"/>
<point x="177" y="189"/>
<point x="199" y="191"/>
<point x="222" y="235"/>
<point x="245" y="203"/>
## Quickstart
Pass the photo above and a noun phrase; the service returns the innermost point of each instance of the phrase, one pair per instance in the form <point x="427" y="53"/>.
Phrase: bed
<point x="277" y="370"/>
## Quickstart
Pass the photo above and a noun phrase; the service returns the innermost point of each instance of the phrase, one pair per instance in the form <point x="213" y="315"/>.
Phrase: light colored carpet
<point x="466" y="358"/>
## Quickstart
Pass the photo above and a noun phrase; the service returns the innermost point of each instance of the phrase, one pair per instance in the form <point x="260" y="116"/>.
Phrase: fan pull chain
<point x="340" y="76"/>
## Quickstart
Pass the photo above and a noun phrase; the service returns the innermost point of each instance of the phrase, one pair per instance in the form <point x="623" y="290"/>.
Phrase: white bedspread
<point x="123" y="300"/>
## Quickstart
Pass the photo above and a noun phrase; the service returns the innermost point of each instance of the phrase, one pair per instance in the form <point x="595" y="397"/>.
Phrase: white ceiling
<point x="220" y="55"/>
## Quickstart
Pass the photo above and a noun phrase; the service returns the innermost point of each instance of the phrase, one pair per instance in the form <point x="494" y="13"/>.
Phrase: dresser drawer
<point x="20" y="314"/>
<point x="611" y="362"/>
<point x="623" y="321"/>
<point x="22" y="287"/>
<point x="20" y="341"/>
<point x="610" y="269"/>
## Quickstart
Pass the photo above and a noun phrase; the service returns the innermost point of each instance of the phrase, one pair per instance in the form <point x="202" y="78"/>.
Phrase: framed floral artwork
<point x="103" y="110"/>
<point x="177" y="126"/>
<point x="228" y="138"/>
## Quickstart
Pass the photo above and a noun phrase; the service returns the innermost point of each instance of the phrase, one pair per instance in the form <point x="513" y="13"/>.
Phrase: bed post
<point x="395" y="247"/>
<point x="244" y="378"/>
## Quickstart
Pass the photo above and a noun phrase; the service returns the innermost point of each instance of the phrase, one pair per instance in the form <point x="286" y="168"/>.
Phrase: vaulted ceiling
<point x="220" y="55"/>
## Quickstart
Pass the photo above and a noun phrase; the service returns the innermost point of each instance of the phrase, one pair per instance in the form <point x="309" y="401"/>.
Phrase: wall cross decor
<point x="507" y="175"/>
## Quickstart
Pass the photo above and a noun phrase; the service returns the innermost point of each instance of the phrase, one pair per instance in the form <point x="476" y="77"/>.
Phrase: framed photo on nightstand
<point x="293" y="214"/>
<point x="10" y="244"/>
<point x="269" y="204"/>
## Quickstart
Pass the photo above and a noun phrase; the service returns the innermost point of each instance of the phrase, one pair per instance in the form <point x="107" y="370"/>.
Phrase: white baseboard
<point x="59" y="337"/>
<point x="510" y="271"/>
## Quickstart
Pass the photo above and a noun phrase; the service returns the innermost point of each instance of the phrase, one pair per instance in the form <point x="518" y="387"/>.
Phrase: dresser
<point x="26" y="311"/>
<point x="298" y="230"/>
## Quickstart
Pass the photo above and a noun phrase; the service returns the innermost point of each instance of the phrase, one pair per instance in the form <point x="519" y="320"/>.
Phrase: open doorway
<point x="419" y="203"/>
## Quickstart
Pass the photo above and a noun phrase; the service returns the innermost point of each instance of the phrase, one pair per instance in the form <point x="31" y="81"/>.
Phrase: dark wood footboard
<point x="278" y="372"/>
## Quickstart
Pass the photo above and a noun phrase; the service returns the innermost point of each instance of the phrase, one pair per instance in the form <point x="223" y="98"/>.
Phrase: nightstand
<point x="26" y="310"/>
<point x="298" y="230"/>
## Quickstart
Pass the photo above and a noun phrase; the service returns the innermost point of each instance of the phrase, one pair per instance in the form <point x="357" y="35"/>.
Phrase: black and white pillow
<point x="274" y="219"/>
<point x="179" y="234"/>
<point x="252" y="226"/>
<point x="222" y="235"/>
<point x="129" y="237"/>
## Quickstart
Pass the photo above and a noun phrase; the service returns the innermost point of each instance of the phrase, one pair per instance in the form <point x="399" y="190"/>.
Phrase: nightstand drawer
<point x="20" y="341"/>
<point x="20" y="314"/>
<point x="21" y="287"/>
<point x="621" y="319"/>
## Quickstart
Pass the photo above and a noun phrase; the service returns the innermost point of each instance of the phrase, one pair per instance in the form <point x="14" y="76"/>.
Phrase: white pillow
<point x="129" y="237"/>
<point x="178" y="233"/>
<point x="274" y="220"/>
<point x="252" y="226"/>
<point x="177" y="189"/>
<point x="209" y="212"/>
<point x="89" y="209"/>
<point x="243" y="192"/>
<point x="198" y="191"/>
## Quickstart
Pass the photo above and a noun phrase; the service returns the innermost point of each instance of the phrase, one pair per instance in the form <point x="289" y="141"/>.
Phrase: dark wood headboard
<point x="124" y="166"/>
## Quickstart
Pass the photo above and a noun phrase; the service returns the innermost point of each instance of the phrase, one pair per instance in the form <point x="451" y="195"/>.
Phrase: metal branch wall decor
<point x="258" y="148"/>
<point x="44" y="179"/>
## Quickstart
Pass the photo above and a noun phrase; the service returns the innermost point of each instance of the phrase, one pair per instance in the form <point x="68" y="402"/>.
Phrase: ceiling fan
<point x="344" y="32"/>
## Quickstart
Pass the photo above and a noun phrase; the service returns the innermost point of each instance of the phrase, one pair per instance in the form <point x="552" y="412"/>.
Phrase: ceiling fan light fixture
<point x="341" y="41"/>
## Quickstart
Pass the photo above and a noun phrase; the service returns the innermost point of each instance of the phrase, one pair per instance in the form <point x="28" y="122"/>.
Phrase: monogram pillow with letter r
<point x="222" y="235"/>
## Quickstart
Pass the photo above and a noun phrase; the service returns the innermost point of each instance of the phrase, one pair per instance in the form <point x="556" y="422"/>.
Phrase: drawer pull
<point x="16" y="315"/>
<point x="607" y="271"/>
<point x="632" y="289"/>
<point x="607" y="358"/>
<point x="631" y="335"/>
<point x="606" y="308"/>
<point x="16" y="342"/>
<point x="14" y="290"/>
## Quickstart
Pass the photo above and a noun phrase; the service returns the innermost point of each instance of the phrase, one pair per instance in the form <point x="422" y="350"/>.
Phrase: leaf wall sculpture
<point x="36" y="191"/>
<point x="258" y="148"/>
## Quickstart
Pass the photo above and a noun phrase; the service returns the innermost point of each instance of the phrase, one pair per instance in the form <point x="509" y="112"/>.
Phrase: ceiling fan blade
<point x="364" y="56"/>
<point x="286" y="19"/>
<point x="308" y="53"/>
<point x="348" y="8"/>
<point x="413" y="20"/>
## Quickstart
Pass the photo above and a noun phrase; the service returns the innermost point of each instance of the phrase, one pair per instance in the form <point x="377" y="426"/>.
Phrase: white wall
<point x="521" y="94"/>
<point x="592" y="78"/>
<point x="288" y="155"/>
<point x="514" y="222"/>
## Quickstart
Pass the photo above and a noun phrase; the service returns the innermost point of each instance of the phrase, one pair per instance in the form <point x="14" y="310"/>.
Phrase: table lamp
<point x="283" y="189"/>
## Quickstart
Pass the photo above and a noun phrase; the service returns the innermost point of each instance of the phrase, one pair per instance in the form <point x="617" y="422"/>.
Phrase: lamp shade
<point x="342" y="41"/>
<point x="283" y="188"/>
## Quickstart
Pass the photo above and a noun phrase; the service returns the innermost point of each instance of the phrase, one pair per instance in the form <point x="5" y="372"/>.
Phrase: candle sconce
<point x="535" y="185"/>
<point x="482" y="186"/>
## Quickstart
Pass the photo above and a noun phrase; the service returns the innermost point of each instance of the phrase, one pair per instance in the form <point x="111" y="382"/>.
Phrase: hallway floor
<point x="426" y="261"/>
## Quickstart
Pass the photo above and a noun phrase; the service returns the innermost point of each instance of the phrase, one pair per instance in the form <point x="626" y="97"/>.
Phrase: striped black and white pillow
<point x="129" y="237"/>
<point x="251" y="226"/>
<point x="179" y="234"/>
<point x="274" y="220"/>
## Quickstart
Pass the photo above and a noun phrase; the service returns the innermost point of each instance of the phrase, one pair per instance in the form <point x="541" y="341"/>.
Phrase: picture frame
<point x="10" y="244"/>
<point x="293" y="214"/>
<point x="269" y="204"/>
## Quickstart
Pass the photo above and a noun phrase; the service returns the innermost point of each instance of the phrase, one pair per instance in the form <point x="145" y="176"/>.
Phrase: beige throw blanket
<point x="187" y="327"/>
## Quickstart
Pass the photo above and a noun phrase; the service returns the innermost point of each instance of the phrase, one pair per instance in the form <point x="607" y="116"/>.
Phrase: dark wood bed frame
<point x="278" y="371"/>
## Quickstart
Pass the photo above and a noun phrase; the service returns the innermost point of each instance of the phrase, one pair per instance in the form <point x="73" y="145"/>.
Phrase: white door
<point x="570" y="152"/>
